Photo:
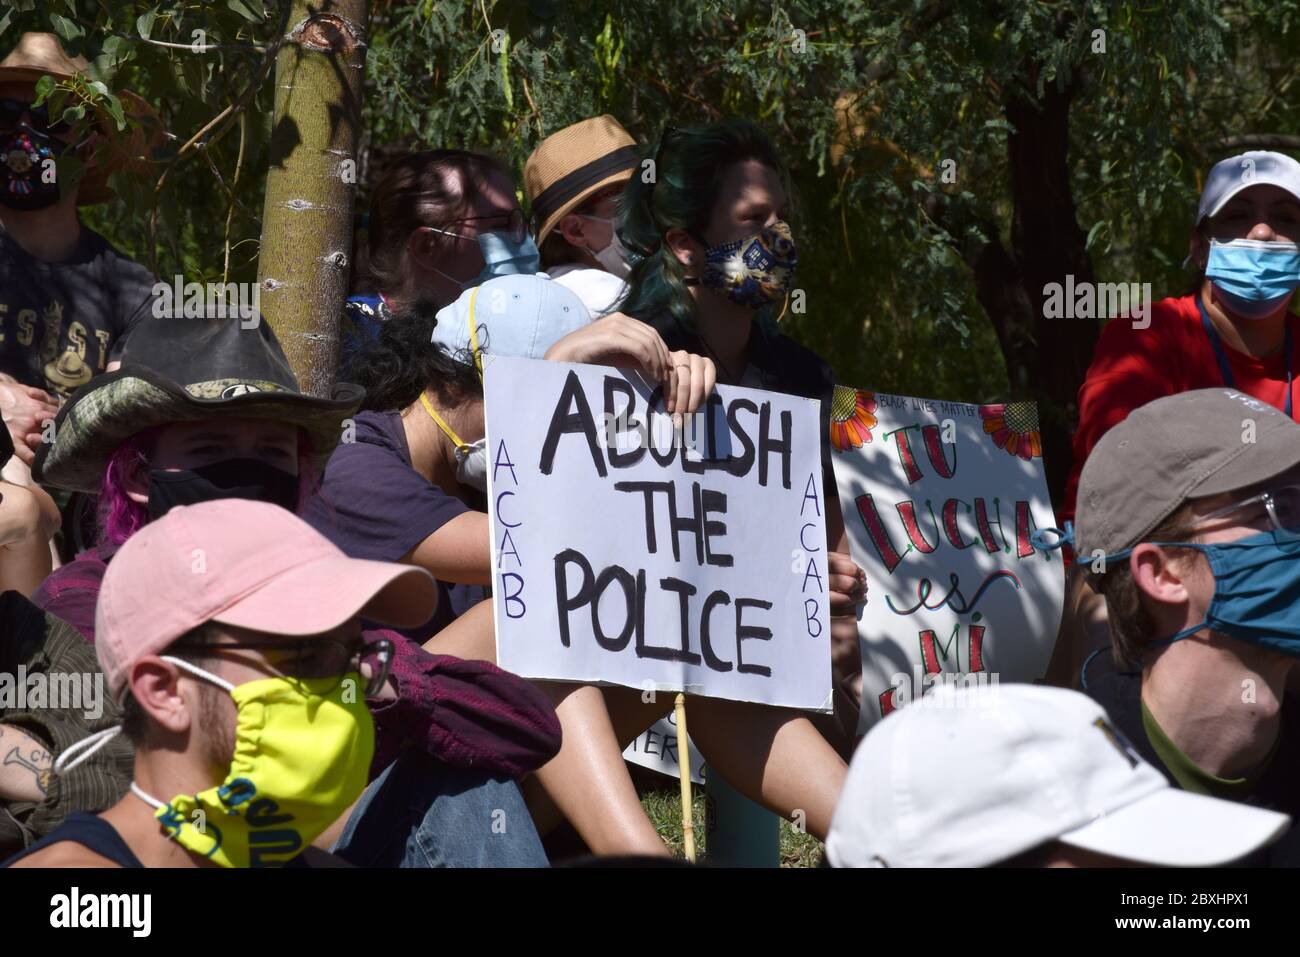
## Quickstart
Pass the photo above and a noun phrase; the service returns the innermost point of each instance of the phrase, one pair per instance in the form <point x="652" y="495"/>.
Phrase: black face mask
<point x="233" y="478"/>
<point x="23" y="153"/>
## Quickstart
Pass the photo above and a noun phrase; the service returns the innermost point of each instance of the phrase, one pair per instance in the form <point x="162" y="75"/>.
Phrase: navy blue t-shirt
<point x="373" y="504"/>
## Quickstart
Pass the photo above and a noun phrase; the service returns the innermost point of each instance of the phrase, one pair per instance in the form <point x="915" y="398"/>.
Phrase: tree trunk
<point x="311" y="185"/>
<point x="1046" y="358"/>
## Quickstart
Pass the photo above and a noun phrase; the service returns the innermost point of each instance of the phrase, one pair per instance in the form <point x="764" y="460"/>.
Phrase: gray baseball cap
<point x="1183" y="446"/>
<point x="1252" y="168"/>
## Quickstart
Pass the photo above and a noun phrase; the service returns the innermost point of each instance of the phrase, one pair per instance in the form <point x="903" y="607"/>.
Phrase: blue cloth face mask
<point x="503" y="255"/>
<point x="1253" y="277"/>
<point x="1256" y="589"/>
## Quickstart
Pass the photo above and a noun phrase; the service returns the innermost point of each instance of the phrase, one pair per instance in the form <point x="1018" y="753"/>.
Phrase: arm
<point x="460" y="551"/>
<point x="24" y="766"/>
<point x="847" y="585"/>
<point x="618" y="339"/>
<point x="25" y="410"/>
<point x="28" y="519"/>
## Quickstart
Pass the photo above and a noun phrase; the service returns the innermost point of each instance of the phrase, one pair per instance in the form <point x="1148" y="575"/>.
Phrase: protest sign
<point x="626" y="552"/>
<point x="940" y="500"/>
<point x="656" y="748"/>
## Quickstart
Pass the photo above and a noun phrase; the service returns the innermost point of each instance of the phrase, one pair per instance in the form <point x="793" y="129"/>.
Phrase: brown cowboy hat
<point x="41" y="54"/>
<point x="573" y="164"/>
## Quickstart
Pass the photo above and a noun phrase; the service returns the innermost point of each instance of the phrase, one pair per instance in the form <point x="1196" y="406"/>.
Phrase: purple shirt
<point x="373" y="504"/>
<point x="464" y="713"/>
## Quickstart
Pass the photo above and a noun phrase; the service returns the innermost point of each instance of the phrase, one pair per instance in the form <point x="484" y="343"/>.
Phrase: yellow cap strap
<point x="442" y="424"/>
<point x="473" y="335"/>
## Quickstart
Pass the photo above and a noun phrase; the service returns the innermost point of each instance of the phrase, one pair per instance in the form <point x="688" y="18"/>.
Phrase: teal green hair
<point x="689" y="165"/>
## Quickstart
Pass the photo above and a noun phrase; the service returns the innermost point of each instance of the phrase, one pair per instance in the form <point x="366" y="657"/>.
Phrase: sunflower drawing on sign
<point x="852" y="417"/>
<point x="1014" y="427"/>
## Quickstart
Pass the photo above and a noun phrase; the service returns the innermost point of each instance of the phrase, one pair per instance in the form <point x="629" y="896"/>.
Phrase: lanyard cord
<point x="1221" y="356"/>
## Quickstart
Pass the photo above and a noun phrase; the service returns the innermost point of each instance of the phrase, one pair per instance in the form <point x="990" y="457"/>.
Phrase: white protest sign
<point x="656" y="748"/>
<point x="622" y="555"/>
<point x="940" y="500"/>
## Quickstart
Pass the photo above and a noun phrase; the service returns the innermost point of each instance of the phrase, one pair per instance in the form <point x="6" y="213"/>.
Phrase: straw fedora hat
<point x="570" y="165"/>
<point x="41" y="54"/>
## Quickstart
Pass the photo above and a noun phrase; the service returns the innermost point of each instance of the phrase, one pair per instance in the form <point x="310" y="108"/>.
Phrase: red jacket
<point x="1132" y="366"/>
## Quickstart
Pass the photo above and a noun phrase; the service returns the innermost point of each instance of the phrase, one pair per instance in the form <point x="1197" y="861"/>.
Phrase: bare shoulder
<point x="65" y="854"/>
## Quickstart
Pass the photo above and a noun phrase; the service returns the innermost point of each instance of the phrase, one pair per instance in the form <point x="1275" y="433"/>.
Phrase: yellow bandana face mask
<point x="302" y="757"/>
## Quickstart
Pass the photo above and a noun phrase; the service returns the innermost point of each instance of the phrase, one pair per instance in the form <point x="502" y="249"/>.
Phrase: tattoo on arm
<point x="38" y="762"/>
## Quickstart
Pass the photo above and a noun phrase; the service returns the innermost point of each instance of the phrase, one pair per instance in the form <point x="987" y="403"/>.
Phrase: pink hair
<point x="121" y="516"/>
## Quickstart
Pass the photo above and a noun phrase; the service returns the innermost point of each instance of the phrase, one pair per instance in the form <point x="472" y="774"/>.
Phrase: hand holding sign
<point x="617" y="339"/>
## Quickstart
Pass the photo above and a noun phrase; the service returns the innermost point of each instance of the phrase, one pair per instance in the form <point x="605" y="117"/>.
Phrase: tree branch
<point x="1265" y="141"/>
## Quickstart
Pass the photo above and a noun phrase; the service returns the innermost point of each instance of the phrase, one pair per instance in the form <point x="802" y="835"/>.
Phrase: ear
<point x="154" y="685"/>
<point x="420" y="247"/>
<point x="687" y="249"/>
<point x="136" y="484"/>
<point x="574" y="230"/>
<point x="1157" y="576"/>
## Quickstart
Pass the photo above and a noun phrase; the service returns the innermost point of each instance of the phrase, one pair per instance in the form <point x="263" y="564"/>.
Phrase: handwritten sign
<point x="656" y="748"/>
<point x="627" y="552"/>
<point x="940" y="500"/>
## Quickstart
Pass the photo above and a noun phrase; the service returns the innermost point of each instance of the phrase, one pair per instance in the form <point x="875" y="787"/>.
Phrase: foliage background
<point x="913" y="284"/>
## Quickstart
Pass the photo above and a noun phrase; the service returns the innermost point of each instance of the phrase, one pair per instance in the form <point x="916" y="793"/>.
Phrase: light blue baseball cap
<point x="520" y="316"/>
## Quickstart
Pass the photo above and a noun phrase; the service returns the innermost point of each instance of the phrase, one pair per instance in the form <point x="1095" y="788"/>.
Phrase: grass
<point x="663" y="803"/>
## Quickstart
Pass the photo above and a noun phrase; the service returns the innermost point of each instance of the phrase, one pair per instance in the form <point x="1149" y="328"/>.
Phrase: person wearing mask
<point x="715" y="257"/>
<point x="1235" y="328"/>
<point x="242" y="696"/>
<point x="1190" y="531"/>
<point x="440" y="222"/>
<point x="1023" y="776"/>
<point x="203" y="409"/>
<point x="68" y="299"/>
<point x="427" y="447"/>
<point x="572" y="182"/>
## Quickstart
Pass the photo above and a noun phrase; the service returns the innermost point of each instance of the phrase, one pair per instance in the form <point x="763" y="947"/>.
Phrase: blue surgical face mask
<point x="502" y="256"/>
<point x="1256" y="590"/>
<point x="1253" y="278"/>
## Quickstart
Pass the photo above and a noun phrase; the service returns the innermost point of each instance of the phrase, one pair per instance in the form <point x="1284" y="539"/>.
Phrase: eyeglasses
<point x="320" y="658"/>
<point x="516" y="225"/>
<point x="1280" y="505"/>
<point x="11" y="114"/>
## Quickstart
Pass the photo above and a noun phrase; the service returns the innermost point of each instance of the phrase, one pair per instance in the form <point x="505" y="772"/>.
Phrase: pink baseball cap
<point x="243" y="563"/>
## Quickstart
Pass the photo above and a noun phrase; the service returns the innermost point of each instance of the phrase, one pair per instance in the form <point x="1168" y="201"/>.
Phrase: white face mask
<point x="613" y="258"/>
<point x="471" y="458"/>
<point x="472" y="465"/>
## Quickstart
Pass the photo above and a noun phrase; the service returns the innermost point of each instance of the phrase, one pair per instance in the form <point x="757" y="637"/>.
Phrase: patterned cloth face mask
<point x="26" y="156"/>
<point x="755" y="271"/>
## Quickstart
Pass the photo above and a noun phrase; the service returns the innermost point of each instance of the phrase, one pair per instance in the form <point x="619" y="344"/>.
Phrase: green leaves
<point x="67" y="30"/>
<point x="144" y="23"/>
<point x="250" y="10"/>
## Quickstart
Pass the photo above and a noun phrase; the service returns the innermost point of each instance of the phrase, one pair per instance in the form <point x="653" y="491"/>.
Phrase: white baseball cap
<point x="1252" y="168"/>
<point x="970" y="777"/>
<point x="520" y="316"/>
